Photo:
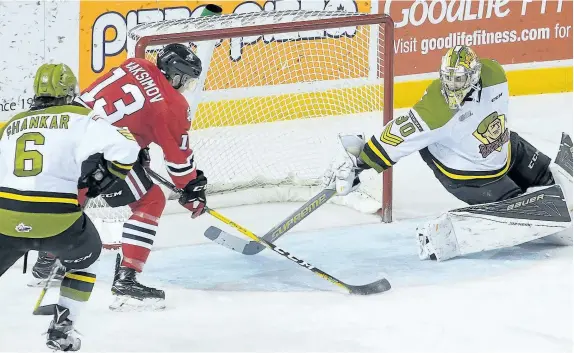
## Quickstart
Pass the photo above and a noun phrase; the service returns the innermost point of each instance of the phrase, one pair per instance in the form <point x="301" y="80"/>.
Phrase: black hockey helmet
<point x="179" y="64"/>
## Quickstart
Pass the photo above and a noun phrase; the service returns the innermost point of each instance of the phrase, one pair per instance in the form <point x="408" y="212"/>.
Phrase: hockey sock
<point x="140" y="229"/>
<point x="76" y="289"/>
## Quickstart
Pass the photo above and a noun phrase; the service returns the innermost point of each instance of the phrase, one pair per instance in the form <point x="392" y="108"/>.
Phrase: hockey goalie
<point x="460" y="128"/>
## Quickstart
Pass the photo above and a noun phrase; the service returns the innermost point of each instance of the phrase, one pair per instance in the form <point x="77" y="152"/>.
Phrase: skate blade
<point x="37" y="282"/>
<point x="125" y="303"/>
<point x="68" y="347"/>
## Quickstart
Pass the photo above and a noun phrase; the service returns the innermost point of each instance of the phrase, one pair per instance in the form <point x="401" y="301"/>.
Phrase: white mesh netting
<point x="268" y="107"/>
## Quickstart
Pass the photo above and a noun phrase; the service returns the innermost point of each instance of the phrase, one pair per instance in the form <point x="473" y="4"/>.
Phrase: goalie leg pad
<point x="437" y="239"/>
<point x="561" y="170"/>
<point x="495" y="225"/>
<point x="564" y="179"/>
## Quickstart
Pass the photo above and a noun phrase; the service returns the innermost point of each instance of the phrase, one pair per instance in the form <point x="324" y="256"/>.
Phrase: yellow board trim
<point x="520" y="83"/>
<point x="378" y="153"/>
<point x="81" y="278"/>
<point x="472" y="177"/>
<point x="17" y="197"/>
<point x="406" y="94"/>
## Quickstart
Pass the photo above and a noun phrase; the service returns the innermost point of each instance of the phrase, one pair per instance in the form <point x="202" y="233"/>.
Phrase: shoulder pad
<point x="491" y="73"/>
<point x="71" y="109"/>
<point x="432" y="107"/>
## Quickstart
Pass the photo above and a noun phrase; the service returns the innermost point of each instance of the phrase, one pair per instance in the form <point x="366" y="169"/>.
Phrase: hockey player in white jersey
<point x="41" y="153"/>
<point x="460" y="128"/>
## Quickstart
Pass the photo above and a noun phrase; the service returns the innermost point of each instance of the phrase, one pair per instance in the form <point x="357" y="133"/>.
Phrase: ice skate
<point x="61" y="334"/>
<point x="132" y="295"/>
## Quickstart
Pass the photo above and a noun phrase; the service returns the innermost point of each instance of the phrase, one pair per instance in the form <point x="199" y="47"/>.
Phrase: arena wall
<point x="532" y="39"/>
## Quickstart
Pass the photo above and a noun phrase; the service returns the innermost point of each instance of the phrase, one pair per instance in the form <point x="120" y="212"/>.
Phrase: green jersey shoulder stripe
<point x="491" y="73"/>
<point x="62" y="109"/>
<point x="432" y="107"/>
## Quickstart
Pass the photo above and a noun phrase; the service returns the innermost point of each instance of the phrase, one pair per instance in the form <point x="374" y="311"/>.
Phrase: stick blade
<point x="227" y="240"/>
<point x="212" y="233"/>
<point x="232" y="242"/>
<point x="376" y="287"/>
<point x="252" y="248"/>
<point x="44" y="310"/>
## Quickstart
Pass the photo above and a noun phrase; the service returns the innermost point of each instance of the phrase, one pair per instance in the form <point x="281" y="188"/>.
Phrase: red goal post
<point x="146" y="38"/>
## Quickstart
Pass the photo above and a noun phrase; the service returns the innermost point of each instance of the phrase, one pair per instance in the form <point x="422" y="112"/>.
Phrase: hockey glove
<point x="143" y="158"/>
<point x="99" y="180"/>
<point x="344" y="172"/>
<point x="193" y="196"/>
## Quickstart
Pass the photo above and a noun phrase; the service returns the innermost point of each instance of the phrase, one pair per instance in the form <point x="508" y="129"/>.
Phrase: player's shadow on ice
<point x="535" y="250"/>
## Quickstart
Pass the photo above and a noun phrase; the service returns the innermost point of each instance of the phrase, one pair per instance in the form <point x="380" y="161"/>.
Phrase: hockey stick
<point x="378" y="286"/>
<point x="46" y="309"/>
<point x="25" y="266"/>
<point x="253" y="247"/>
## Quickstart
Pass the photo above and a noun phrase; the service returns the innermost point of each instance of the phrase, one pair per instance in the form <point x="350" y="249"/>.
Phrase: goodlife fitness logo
<point x="114" y="22"/>
<point x="422" y="12"/>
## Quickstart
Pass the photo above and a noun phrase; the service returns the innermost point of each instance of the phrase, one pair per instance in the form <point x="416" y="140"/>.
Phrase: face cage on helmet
<point x="456" y="85"/>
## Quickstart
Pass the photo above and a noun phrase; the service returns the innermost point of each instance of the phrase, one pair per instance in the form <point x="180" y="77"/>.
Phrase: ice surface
<point x="512" y="300"/>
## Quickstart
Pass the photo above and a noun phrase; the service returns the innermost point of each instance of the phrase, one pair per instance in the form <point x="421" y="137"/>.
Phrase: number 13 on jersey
<point x="127" y="102"/>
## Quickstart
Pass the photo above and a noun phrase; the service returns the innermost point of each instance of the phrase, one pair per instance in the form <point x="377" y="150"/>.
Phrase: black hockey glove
<point x="193" y="196"/>
<point x="144" y="158"/>
<point x="99" y="180"/>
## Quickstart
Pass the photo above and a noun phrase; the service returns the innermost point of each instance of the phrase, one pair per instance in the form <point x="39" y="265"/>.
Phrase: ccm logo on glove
<point x="193" y="195"/>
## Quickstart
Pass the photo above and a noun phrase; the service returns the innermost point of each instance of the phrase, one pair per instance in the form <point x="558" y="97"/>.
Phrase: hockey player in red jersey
<point x="146" y="99"/>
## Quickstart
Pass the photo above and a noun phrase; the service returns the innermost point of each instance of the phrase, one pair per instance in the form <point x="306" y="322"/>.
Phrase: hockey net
<point x="276" y="90"/>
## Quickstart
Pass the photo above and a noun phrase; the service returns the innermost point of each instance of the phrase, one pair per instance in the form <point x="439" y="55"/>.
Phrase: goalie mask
<point x="459" y="74"/>
<point x="55" y="84"/>
<point x="179" y="65"/>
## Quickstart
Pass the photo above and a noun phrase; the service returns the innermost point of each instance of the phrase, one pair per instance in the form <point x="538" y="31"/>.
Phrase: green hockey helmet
<point x="55" y="81"/>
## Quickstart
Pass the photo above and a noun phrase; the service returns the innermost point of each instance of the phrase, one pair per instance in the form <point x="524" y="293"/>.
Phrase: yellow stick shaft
<point x="271" y="246"/>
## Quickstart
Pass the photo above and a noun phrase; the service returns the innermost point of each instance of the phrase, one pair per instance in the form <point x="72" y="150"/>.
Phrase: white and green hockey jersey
<point x="470" y="143"/>
<point x="41" y="152"/>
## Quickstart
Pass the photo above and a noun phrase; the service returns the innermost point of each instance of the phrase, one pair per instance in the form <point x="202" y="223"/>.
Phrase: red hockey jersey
<point x="136" y="95"/>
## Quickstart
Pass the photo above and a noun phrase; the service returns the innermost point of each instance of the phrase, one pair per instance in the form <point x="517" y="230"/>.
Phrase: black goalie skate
<point x="43" y="267"/>
<point x="61" y="334"/>
<point x="132" y="295"/>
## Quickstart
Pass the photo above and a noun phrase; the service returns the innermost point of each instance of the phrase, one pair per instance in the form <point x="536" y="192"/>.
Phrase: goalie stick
<point x="253" y="247"/>
<point x="379" y="286"/>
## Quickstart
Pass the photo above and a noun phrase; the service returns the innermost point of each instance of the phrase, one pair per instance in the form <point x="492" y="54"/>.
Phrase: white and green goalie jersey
<point x="41" y="153"/>
<point x="470" y="143"/>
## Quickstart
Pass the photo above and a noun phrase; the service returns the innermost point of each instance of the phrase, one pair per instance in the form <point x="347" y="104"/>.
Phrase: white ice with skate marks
<point x="512" y="300"/>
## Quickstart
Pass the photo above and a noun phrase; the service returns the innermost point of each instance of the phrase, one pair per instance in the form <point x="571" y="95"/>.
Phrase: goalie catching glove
<point x="344" y="172"/>
<point x="193" y="196"/>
